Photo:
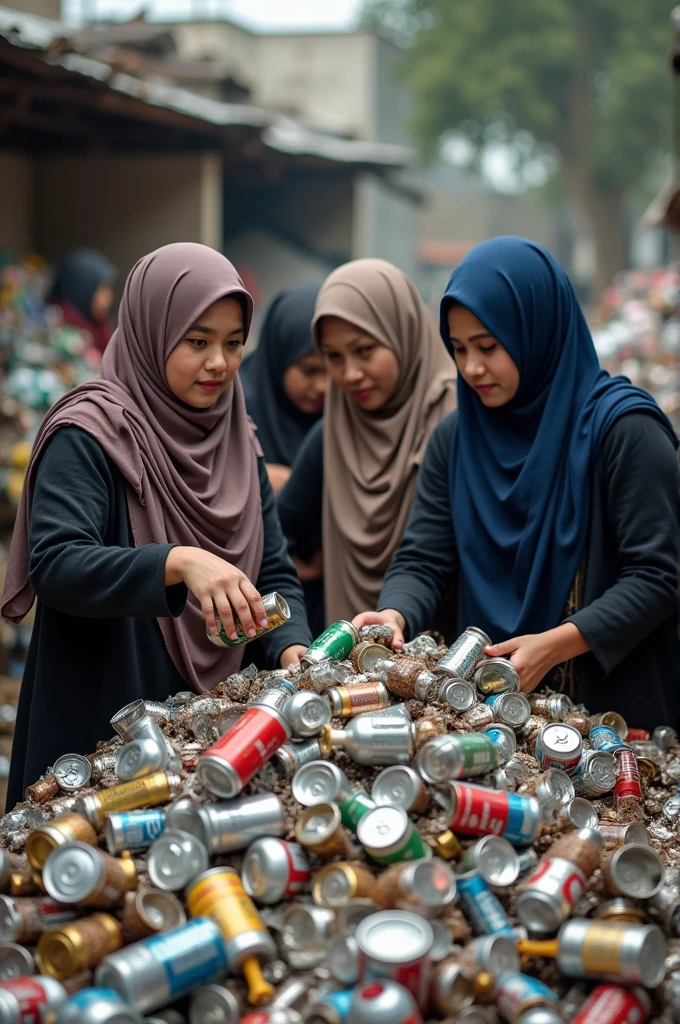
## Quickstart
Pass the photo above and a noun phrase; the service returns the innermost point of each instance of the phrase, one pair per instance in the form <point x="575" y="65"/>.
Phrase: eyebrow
<point x="211" y="330"/>
<point x="353" y="341"/>
<point x="473" y="337"/>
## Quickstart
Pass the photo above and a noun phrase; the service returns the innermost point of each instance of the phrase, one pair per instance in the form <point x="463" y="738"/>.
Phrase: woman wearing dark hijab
<point x="550" y="496"/>
<point x="284" y="380"/>
<point x="83" y="290"/>
<point x="146" y="509"/>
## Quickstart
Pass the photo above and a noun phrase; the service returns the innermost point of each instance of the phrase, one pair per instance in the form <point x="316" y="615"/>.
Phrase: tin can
<point x="383" y="1002"/>
<point x="227" y="827"/>
<point x="396" y="944"/>
<point x="353" y="809"/>
<point x="319" y="829"/>
<point x="464" y="655"/>
<point x="664" y="737"/>
<point x="496" y="675"/>
<point x="15" y="962"/>
<point x="292" y="756"/>
<point x="549" y="894"/>
<point x="612" y="1004"/>
<point x="478" y="811"/>
<point x="347" y="701"/>
<point x="496" y="860"/>
<point x="228" y="717"/>
<point x="306" y="712"/>
<point x="452" y="989"/>
<point x="140" y="757"/>
<point x="320" y="782"/>
<point x="455" y="757"/>
<point x="78" y="946"/>
<point x="665" y="904"/>
<point x="96" y="1006"/>
<point x="150" y="791"/>
<point x="595" y="775"/>
<point x="511" y="709"/>
<point x="215" y="1004"/>
<point x="133" y="831"/>
<point x="151" y="973"/>
<point x="276" y="611"/>
<point x="175" y="859"/>
<point x="28" y="1000"/>
<point x="602" y="737"/>
<point x="66" y="828"/>
<point x="331" y="1008"/>
<point x="554" y="789"/>
<point x="492" y="953"/>
<point x="402" y="786"/>
<point x="628" y="783"/>
<point x="635" y="832"/>
<point x="613" y="720"/>
<point x="72" y="771"/>
<point x="24" y="919"/>
<point x="559" y="746"/>
<point x="612" y="951"/>
<point x="238" y="756"/>
<point x="78" y="873"/>
<point x="482" y="909"/>
<point x="620" y="909"/>
<point x="517" y="993"/>
<point x="375" y="739"/>
<point x="219" y="894"/>
<point x="387" y="834"/>
<point x="306" y="928"/>
<point x="503" y="739"/>
<point x="460" y="694"/>
<point x="554" y="706"/>
<point x="336" y="884"/>
<point x="636" y="871"/>
<point x="335" y="643"/>
<point x="43" y="790"/>
<point x="135" y="722"/>
<point x="424" y="887"/>
<point x="273" y="870"/>
<point x="578" y="812"/>
<point x="150" y="911"/>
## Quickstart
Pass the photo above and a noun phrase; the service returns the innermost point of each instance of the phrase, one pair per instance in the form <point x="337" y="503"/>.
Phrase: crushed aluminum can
<point x="636" y="871"/>
<point x="496" y="860"/>
<point x="175" y="859"/>
<point x="274" y="870"/>
<point x="671" y="808"/>
<point x="496" y="675"/>
<point x="595" y="775"/>
<point x="72" y="771"/>
<point x="401" y="785"/>
<point x="134" y="722"/>
<point x="320" y="782"/>
<point x="306" y="712"/>
<point x="342" y="958"/>
<point x="554" y="789"/>
<point x="335" y="885"/>
<point x="396" y="945"/>
<point x="228" y="717"/>
<point x="664" y="737"/>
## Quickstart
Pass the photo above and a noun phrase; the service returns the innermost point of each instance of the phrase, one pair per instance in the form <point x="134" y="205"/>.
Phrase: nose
<point x="216" y="361"/>
<point x="475" y="367"/>
<point x="353" y="372"/>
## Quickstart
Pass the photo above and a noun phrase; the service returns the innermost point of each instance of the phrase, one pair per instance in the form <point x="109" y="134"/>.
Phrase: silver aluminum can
<point x="547" y="898"/>
<point x="636" y="871"/>
<point x="578" y="812"/>
<point x="496" y="860"/>
<point x="634" y="832"/>
<point x="133" y="830"/>
<point x="399" y="711"/>
<point x="96" y="1006"/>
<point x="559" y="746"/>
<point x="396" y="944"/>
<point x="320" y="782"/>
<point x="215" y="1004"/>
<point x="595" y="775"/>
<point x="443" y="940"/>
<point x="427" y="887"/>
<point x="12" y="923"/>
<point x="181" y="813"/>
<point x="511" y="709"/>
<point x="540" y="1015"/>
<point x="496" y="675"/>
<point x="426" y="687"/>
<point x="233" y="825"/>
<point x="666" y="905"/>
<point x="504" y="740"/>
<point x="72" y="771"/>
<point x="139" y="758"/>
<point x="15" y="962"/>
<point x="306" y="927"/>
<point x="554" y="789"/>
<point x="464" y="655"/>
<point x="401" y="785"/>
<point x="273" y="870"/>
<point x="445" y="758"/>
<point x="387" y="1003"/>
<point x="292" y="756"/>
<point x="452" y="990"/>
<point x="29" y="1000"/>
<point x="671" y="808"/>
<point x="664" y="737"/>
<point x="133" y="722"/>
<point x="343" y="958"/>
<point x="306" y="713"/>
<point x="350" y="915"/>
<point x="228" y="717"/>
<point x="494" y="953"/>
<point x="612" y="951"/>
<point x="160" y="710"/>
<point x="375" y="739"/>
<point x="459" y="694"/>
<point x="175" y="859"/>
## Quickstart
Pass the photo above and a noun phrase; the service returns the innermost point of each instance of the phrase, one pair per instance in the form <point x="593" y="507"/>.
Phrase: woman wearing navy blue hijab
<point x="550" y="498"/>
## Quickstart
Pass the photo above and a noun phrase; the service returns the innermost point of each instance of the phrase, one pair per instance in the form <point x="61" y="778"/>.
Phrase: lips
<point x="483" y="388"/>
<point x="210" y="385"/>
<point x="363" y="395"/>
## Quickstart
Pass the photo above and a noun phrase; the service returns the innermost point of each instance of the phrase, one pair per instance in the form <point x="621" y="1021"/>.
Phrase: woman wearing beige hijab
<point x="353" y="482"/>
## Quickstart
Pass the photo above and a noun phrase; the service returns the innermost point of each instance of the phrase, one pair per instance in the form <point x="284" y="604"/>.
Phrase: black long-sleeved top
<point x="628" y="611"/>
<point x="96" y="644"/>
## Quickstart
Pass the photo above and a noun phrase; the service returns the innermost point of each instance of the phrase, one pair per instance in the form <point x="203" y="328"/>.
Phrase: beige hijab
<point x="371" y="459"/>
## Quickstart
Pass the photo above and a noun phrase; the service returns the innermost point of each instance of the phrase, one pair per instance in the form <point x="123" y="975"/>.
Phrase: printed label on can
<point x="482" y="908"/>
<point x="479" y="754"/>
<point x="601" y="949"/>
<point x="517" y="992"/>
<point x="523" y="820"/>
<point x="192" y="955"/>
<point x="336" y="642"/>
<point x="603" y="737"/>
<point x="627" y="776"/>
<point x="141" y="828"/>
<point x="298" y="869"/>
<point x="339" y="1001"/>
<point x="353" y="809"/>
<point x="30" y="996"/>
<point x="463" y="656"/>
<point x="223" y="895"/>
<point x="412" y="976"/>
<point x="366" y="696"/>
<point x="134" y="794"/>
<point x="250" y="743"/>
<point x="479" y="811"/>
<point x="610" y="1004"/>
<point x="559" y="878"/>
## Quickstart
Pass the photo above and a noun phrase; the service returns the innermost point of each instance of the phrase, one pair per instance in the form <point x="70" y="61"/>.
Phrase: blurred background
<point x="297" y="135"/>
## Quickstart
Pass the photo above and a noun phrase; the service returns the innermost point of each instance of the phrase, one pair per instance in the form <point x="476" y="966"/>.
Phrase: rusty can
<point x="79" y="946"/>
<point x="150" y="911"/>
<point x="24" y="919"/>
<point x="43" y="790"/>
<point x="66" y="828"/>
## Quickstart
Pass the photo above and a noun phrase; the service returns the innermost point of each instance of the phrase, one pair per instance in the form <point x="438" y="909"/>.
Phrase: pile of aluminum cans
<point x="374" y="838"/>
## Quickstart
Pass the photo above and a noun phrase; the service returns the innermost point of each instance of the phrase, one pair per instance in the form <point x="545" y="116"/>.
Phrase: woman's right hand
<point x="217" y="585"/>
<point x="387" y="617"/>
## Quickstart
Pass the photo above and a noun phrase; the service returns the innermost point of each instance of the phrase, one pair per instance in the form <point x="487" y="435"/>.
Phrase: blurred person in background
<point x="83" y="291"/>
<point x="284" y="380"/>
<point x="550" y="498"/>
<point x="346" y="503"/>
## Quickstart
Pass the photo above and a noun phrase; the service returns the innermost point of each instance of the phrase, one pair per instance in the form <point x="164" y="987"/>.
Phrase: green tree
<point x="587" y="78"/>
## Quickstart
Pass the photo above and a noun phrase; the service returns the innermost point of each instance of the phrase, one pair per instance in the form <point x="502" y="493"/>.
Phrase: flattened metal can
<point x="559" y="746"/>
<point x="610" y="951"/>
<point x="464" y="655"/>
<point x="387" y="834"/>
<point x="454" y="757"/>
<point x="479" y="811"/>
<point x="276" y="610"/>
<point x="612" y="1004"/>
<point x="335" y="643"/>
<point x="396" y="944"/>
<point x="482" y="909"/>
<point x="274" y="870"/>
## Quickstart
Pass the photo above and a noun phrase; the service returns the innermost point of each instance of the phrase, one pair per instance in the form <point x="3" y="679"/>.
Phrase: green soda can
<point x="354" y="808"/>
<point x="277" y="612"/>
<point x="388" y="835"/>
<point x="335" y="643"/>
<point x="445" y="758"/>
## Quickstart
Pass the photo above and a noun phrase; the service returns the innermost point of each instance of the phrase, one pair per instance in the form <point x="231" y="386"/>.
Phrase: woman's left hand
<point x="292" y="655"/>
<point x="535" y="654"/>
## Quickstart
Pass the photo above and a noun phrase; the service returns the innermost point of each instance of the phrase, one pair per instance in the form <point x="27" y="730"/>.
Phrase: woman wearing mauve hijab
<point x="550" y="497"/>
<point x="146" y="507"/>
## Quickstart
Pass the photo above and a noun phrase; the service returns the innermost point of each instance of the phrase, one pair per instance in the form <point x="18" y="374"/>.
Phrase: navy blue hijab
<point x="520" y="474"/>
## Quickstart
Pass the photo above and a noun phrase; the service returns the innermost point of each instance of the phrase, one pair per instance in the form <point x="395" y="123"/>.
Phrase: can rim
<point x="394" y="952"/>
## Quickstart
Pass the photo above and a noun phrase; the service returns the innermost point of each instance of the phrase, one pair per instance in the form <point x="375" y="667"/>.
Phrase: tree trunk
<point x="604" y="212"/>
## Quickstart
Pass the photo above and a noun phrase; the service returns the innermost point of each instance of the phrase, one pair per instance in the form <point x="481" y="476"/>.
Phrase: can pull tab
<point x="531" y="947"/>
<point x="259" y="990"/>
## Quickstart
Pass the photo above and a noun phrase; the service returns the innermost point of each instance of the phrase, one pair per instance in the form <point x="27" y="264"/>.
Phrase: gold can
<point x="319" y="829"/>
<point x="347" y="701"/>
<point x="78" y="946"/>
<point x="150" y="911"/>
<point x="64" y="829"/>
<point x="336" y="884"/>
<point x="43" y="790"/>
<point x="152" y="790"/>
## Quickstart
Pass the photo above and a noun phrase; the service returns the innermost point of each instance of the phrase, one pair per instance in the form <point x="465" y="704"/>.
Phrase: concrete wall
<point x="45" y="8"/>
<point x="384" y="223"/>
<point x="16" y="202"/>
<point x="218" y="40"/>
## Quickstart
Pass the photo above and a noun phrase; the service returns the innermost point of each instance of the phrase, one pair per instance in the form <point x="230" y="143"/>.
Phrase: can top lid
<point x="397" y="784"/>
<point x="601" y="768"/>
<point x="383" y="827"/>
<point x="72" y="771"/>
<point x="516" y="708"/>
<point x="371" y="655"/>
<point x="159" y="910"/>
<point x="560" y="740"/>
<point x="308" y="710"/>
<point x="215" y="1004"/>
<point x="582" y="814"/>
<point x="496" y="860"/>
<point x="140" y="755"/>
<point x="319" y="782"/>
<point x="256" y="864"/>
<point x="175" y="859"/>
<point x="440" y="757"/>
<point x="636" y="870"/>
<point x="394" y="936"/>
<point x="317" y="823"/>
<point x="72" y="871"/>
<point x="15" y="962"/>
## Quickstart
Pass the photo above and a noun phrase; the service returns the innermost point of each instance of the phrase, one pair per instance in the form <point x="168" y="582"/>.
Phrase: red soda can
<point x="478" y="811"/>
<point x="26" y="1000"/>
<point x="612" y="1004"/>
<point x="636" y="734"/>
<point x="238" y="756"/>
<point x="627" y="776"/>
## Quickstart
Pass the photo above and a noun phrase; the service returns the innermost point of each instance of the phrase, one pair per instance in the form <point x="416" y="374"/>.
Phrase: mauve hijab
<point x="191" y="474"/>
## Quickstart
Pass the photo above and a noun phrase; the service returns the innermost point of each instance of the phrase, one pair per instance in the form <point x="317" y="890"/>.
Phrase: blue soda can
<point x="481" y="907"/>
<point x="516" y="993"/>
<point x="135" y="830"/>
<point x="151" y="973"/>
<point x="333" y="1008"/>
<point x="603" y="737"/>
<point x="478" y="811"/>
<point x="97" y="1006"/>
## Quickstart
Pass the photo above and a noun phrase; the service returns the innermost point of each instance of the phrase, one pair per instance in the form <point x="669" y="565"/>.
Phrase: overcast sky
<point x="268" y="14"/>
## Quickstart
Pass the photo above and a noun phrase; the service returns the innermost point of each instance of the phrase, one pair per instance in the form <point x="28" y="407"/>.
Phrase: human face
<point x="482" y="361"/>
<point x="204" y="363"/>
<point x="305" y="383"/>
<point x="366" y="370"/>
<point x="102" y="300"/>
